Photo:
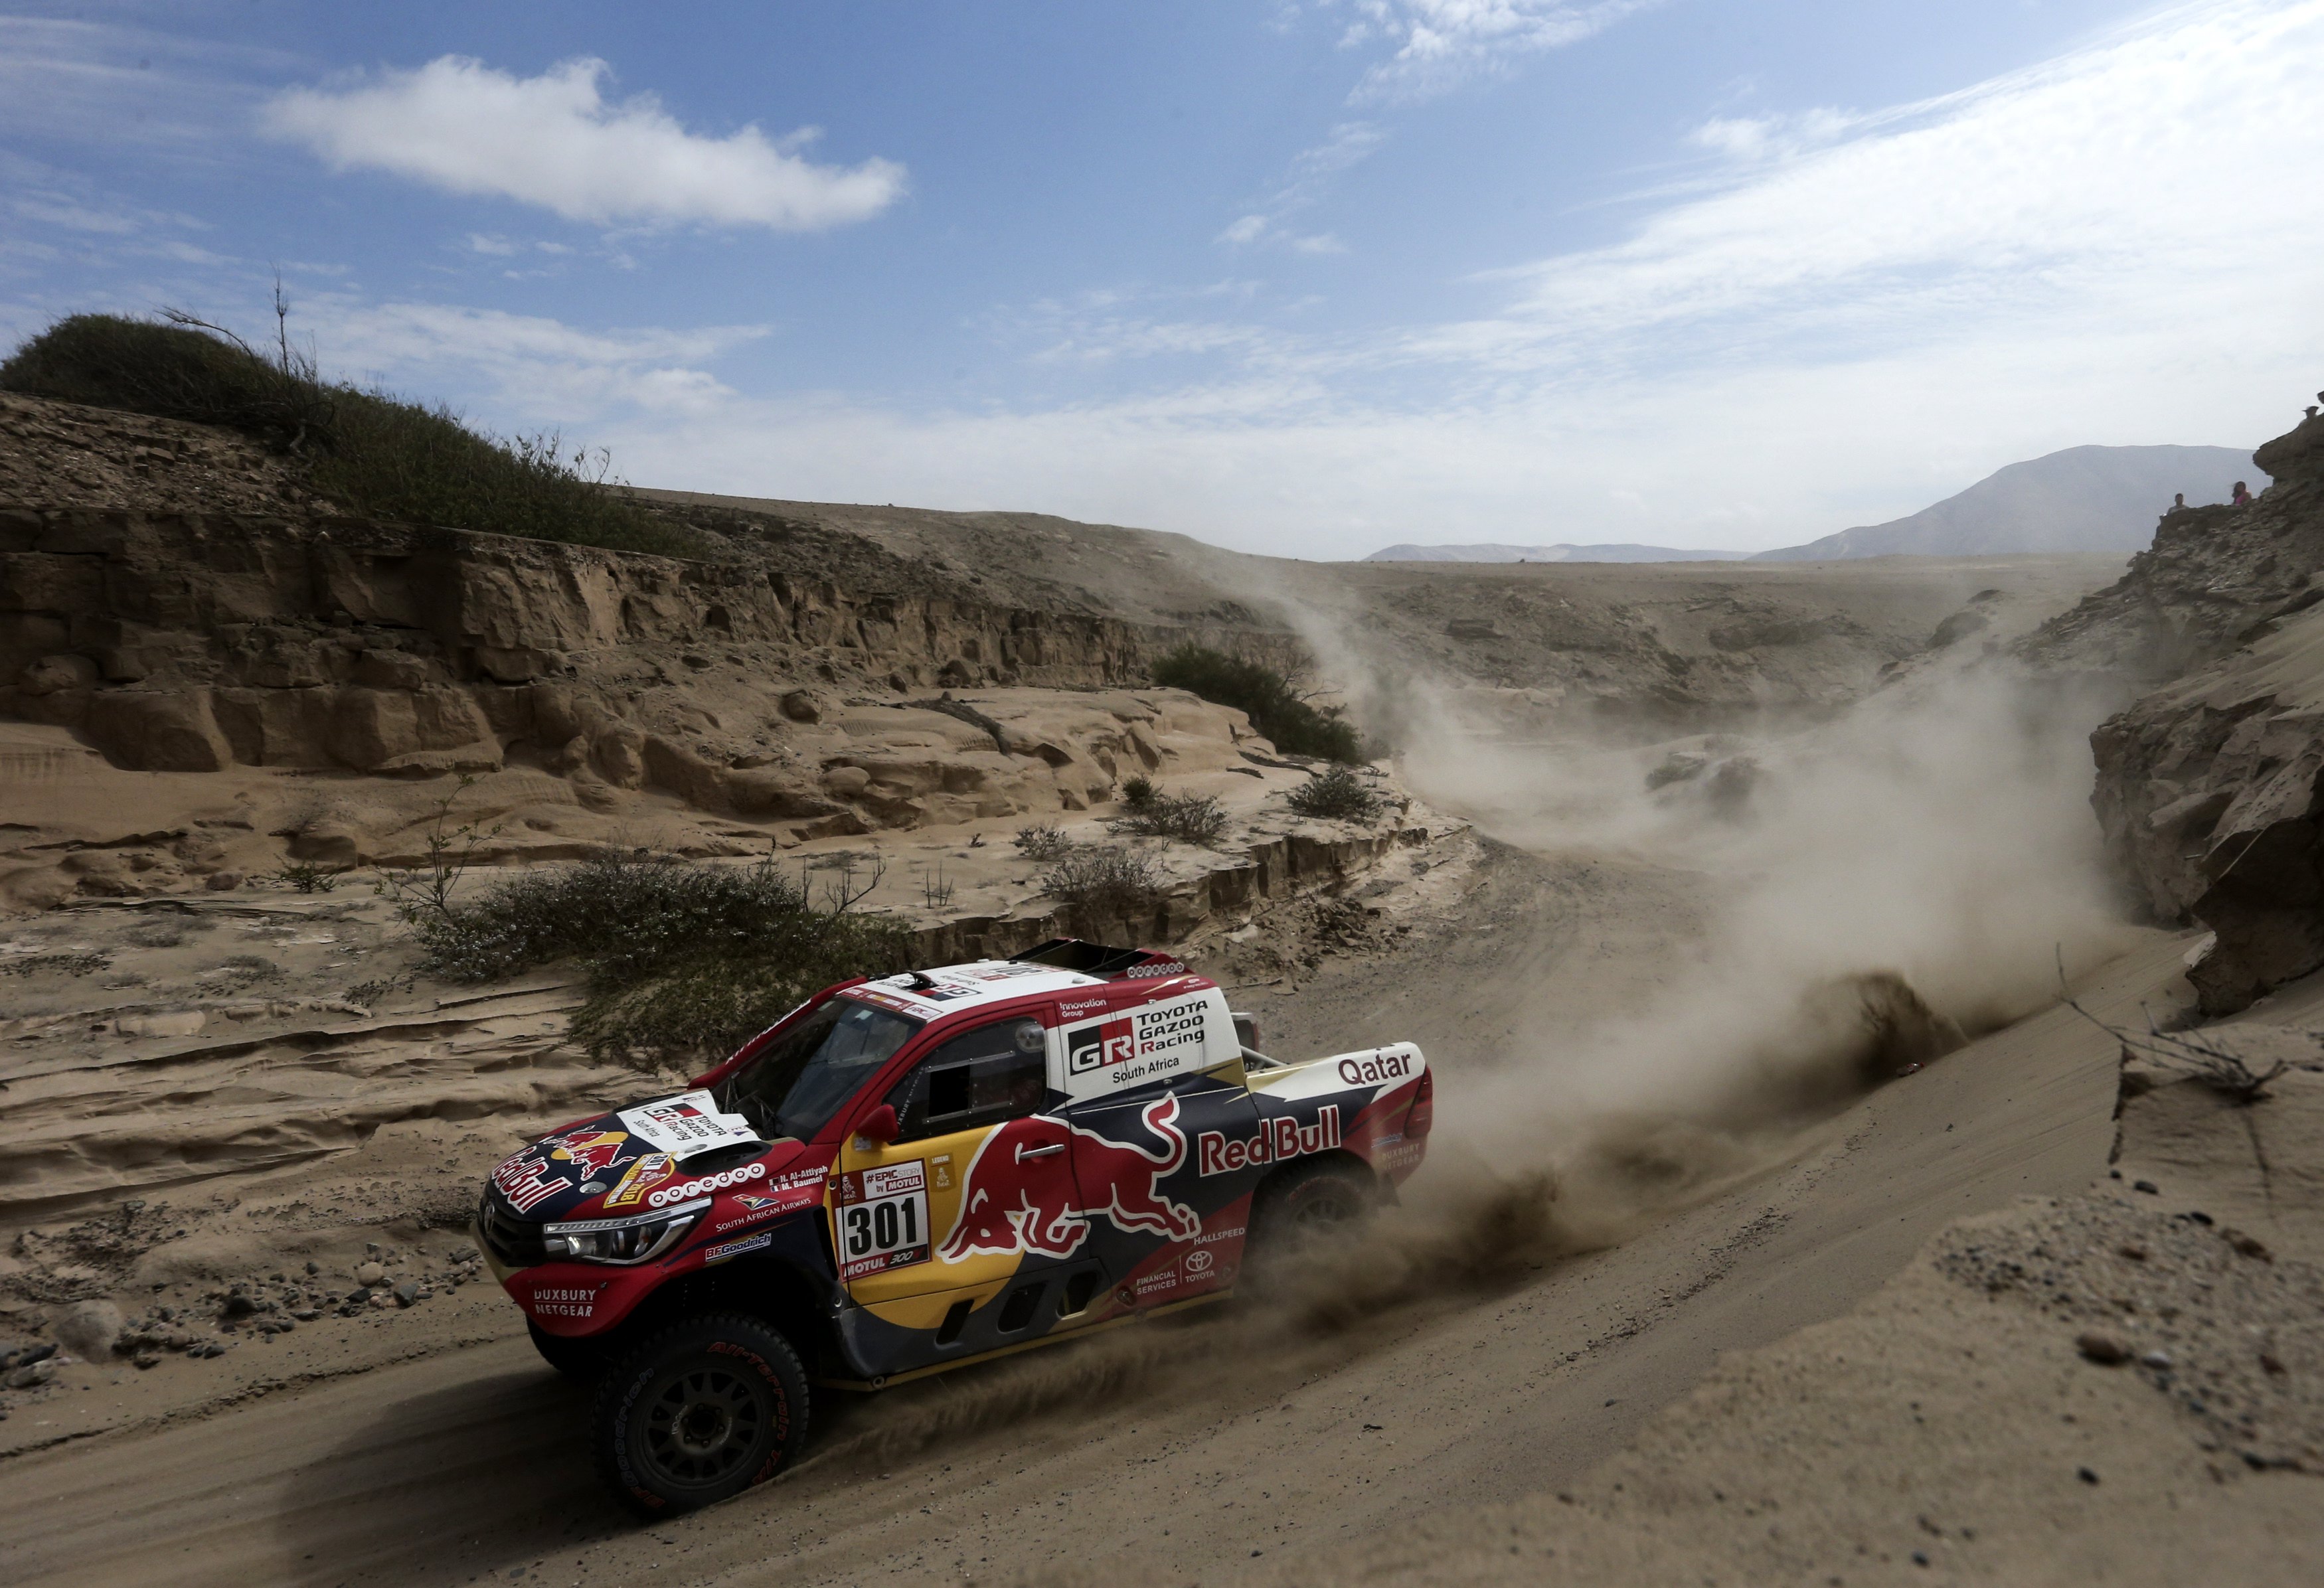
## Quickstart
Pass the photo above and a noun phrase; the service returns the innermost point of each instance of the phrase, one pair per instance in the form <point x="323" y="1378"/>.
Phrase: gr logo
<point x="1092" y="1047"/>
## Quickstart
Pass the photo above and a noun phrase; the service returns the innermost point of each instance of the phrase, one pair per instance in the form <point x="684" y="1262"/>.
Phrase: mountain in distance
<point x="1549" y="553"/>
<point x="2083" y="499"/>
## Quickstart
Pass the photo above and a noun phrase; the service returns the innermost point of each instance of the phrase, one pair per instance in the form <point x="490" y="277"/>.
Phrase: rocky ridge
<point x="2210" y="788"/>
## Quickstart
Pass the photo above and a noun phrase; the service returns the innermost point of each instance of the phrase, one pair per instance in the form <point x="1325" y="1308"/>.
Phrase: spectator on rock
<point x="2243" y="498"/>
<point x="2179" y="503"/>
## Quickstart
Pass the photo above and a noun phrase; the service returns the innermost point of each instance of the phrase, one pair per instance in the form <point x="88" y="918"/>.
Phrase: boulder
<point x="88" y="1329"/>
<point x="52" y="674"/>
<point x="155" y="730"/>
<point x="619" y="753"/>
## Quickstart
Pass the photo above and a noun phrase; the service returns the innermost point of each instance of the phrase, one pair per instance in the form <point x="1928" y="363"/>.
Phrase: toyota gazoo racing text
<point x="906" y="1175"/>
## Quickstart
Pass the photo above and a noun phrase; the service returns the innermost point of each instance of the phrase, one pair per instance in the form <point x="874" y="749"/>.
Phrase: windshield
<point x="807" y="1073"/>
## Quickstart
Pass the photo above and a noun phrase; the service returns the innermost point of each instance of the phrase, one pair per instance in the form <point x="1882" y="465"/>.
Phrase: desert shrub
<point x="1266" y="696"/>
<point x="1043" y="840"/>
<point x="682" y="959"/>
<point x="1138" y="792"/>
<point x="1106" y="882"/>
<point x="173" y="372"/>
<point x="376" y="454"/>
<point x="308" y="878"/>
<point x="1337" y="795"/>
<point x="1195" y="819"/>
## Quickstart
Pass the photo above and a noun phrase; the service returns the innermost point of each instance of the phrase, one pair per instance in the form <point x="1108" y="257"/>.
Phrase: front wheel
<point x="699" y="1412"/>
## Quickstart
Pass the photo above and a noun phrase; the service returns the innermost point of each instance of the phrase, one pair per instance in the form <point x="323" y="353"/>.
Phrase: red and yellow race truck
<point x="910" y="1174"/>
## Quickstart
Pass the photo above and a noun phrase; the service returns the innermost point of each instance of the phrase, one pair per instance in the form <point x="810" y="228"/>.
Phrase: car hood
<point x="611" y="1165"/>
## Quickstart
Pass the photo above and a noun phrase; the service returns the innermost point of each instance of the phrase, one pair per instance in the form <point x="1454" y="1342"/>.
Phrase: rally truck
<point x="910" y="1174"/>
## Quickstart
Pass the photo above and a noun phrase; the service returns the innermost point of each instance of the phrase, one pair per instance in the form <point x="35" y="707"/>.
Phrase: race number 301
<point x="883" y="1219"/>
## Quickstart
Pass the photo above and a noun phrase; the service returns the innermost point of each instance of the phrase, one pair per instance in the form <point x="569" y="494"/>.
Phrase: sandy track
<point x="1206" y="1448"/>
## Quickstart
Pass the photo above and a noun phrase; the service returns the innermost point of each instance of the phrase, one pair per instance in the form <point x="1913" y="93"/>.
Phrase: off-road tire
<point x="697" y="1412"/>
<point x="578" y="1360"/>
<point x="1303" y="1202"/>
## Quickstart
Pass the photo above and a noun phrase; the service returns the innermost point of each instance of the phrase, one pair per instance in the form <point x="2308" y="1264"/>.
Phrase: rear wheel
<point x="1304" y="1204"/>
<point x="699" y="1412"/>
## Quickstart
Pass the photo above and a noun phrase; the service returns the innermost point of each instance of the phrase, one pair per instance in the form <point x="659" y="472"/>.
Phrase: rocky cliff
<point x="192" y="641"/>
<point x="2210" y="789"/>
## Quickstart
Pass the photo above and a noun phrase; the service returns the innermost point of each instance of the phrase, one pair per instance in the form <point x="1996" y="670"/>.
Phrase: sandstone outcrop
<point x="2211" y="790"/>
<point x="189" y="641"/>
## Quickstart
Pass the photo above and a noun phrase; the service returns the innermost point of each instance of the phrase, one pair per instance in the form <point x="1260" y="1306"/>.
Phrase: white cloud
<point x="1306" y="180"/>
<point x="2138" y="177"/>
<point x="556" y="141"/>
<point x="538" y="369"/>
<point x="1442" y="44"/>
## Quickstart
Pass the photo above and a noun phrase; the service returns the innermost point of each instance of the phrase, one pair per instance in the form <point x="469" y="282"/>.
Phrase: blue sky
<point x="1303" y="278"/>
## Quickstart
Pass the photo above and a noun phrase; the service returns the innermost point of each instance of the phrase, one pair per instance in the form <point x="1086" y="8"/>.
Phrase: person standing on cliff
<point x="2179" y="503"/>
<point x="2243" y="498"/>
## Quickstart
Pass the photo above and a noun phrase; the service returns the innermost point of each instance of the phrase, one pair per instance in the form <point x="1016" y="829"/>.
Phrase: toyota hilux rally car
<point x="906" y="1175"/>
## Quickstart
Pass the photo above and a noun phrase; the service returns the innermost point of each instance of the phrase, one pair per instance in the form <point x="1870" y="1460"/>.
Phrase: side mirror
<point x="878" y="1127"/>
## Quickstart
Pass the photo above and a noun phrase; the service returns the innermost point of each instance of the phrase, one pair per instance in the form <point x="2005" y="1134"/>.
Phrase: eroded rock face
<point x="2214" y="579"/>
<point x="191" y="641"/>
<point x="2211" y="790"/>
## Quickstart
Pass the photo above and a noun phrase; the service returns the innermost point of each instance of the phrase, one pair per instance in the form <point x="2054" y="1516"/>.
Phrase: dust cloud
<point x="1884" y="885"/>
<point x="1881" y="885"/>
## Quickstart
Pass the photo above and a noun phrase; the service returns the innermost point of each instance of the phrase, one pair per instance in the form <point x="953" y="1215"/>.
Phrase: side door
<point x="1159" y="1110"/>
<point x="975" y="1192"/>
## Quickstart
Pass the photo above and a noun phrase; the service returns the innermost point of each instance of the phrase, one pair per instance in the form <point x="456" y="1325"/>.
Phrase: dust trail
<point x="1304" y="1304"/>
<point x="1886" y="883"/>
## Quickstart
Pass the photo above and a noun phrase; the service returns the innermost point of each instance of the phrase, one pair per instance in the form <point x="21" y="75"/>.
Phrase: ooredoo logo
<point x="689" y="1189"/>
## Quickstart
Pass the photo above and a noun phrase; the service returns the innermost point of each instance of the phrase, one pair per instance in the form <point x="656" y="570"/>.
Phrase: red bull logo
<point x="591" y="1152"/>
<point x="1021" y="1195"/>
<point x="1278" y="1140"/>
<point x="1133" y="1176"/>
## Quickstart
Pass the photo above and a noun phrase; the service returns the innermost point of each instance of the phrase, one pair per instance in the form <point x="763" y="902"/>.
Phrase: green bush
<point x="1195" y="819"/>
<point x="1337" y="795"/>
<point x="374" y="454"/>
<point x="1107" y="883"/>
<point x="1043" y="840"/>
<point x="1265" y="694"/>
<point x="683" y="959"/>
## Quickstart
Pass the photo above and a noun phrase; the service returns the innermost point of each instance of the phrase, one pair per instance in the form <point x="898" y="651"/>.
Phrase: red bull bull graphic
<point x="1133" y="1176"/>
<point x="1278" y="1140"/>
<point x="1010" y="1205"/>
<point x="1019" y="1195"/>
<point x="591" y="1152"/>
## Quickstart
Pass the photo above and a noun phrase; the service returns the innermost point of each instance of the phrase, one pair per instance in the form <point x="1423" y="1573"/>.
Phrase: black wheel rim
<point x="704" y="1426"/>
<point x="1325" y="1209"/>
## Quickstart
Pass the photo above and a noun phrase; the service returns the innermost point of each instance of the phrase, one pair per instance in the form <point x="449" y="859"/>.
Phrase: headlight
<point x="639" y="1238"/>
